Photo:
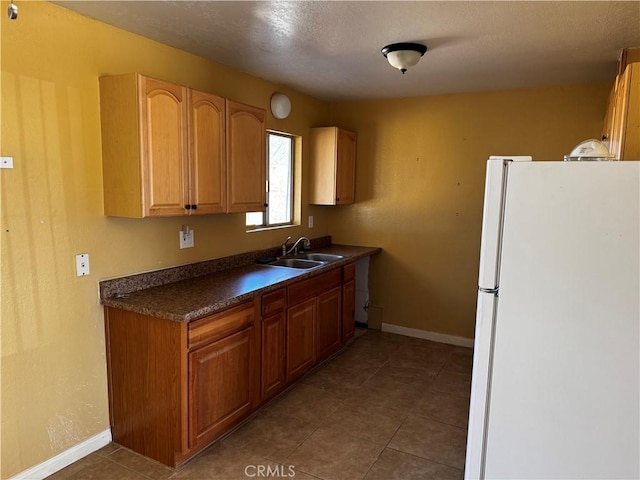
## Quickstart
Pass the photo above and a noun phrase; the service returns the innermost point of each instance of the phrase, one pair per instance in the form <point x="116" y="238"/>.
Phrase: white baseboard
<point x="66" y="458"/>
<point x="426" y="335"/>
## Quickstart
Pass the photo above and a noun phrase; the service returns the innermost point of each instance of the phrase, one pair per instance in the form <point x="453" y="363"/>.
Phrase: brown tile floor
<point x="387" y="407"/>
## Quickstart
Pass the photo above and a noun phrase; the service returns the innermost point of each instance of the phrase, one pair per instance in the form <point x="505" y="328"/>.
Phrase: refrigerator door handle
<point x="492" y="291"/>
<point x="493" y="222"/>
<point x="481" y="386"/>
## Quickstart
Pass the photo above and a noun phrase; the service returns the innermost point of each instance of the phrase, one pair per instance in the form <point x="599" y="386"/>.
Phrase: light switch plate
<point x="186" y="239"/>
<point x="82" y="264"/>
<point x="6" y="162"/>
<point x="310" y="221"/>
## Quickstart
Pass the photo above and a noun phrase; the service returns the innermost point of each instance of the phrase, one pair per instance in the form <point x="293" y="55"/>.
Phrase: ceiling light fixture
<point x="280" y="106"/>
<point x="403" y="55"/>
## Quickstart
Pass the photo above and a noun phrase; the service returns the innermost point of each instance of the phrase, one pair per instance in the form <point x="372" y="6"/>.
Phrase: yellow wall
<point x="419" y="192"/>
<point x="420" y="185"/>
<point x="53" y="355"/>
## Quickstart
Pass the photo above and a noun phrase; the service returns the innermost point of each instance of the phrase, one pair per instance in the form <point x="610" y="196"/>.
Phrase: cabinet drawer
<point x="349" y="272"/>
<point x="313" y="287"/>
<point x="274" y="302"/>
<point x="221" y="324"/>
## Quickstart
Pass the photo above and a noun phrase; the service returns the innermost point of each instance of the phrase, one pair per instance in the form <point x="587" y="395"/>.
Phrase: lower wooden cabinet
<point x="348" y="301"/>
<point x="310" y="317"/>
<point x="313" y="321"/>
<point x="273" y="375"/>
<point x="329" y="325"/>
<point x="146" y="361"/>
<point x="348" y="310"/>
<point x="221" y="385"/>
<point x="175" y="387"/>
<point x="301" y="321"/>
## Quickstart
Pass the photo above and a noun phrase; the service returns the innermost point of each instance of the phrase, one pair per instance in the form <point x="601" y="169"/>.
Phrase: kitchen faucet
<point x="306" y="245"/>
<point x="284" y="246"/>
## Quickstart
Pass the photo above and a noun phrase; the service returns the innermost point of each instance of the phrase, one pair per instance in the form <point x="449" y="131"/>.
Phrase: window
<point x="279" y="183"/>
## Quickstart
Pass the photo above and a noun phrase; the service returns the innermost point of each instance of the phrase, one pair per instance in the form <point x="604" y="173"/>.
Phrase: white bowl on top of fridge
<point x="591" y="150"/>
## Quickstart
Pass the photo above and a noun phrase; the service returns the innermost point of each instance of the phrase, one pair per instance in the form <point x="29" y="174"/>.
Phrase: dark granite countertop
<point x="191" y="298"/>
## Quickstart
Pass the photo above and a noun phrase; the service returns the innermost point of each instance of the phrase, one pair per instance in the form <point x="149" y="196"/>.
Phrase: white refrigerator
<point x="556" y="369"/>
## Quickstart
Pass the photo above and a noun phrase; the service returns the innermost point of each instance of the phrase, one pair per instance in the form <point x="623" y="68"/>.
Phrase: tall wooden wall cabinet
<point x="622" y="120"/>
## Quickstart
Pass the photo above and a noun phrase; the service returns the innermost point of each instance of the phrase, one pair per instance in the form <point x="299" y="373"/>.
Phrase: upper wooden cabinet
<point x="627" y="56"/>
<point x="208" y="168"/>
<point x="246" y="153"/>
<point x="333" y="166"/>
<point x="622" y="120"/>
<point x="165" y="151"/>
<point x="164" y="147"/>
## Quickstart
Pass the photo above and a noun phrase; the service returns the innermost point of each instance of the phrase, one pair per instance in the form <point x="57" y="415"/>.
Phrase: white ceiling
<point x="331" y="49"/>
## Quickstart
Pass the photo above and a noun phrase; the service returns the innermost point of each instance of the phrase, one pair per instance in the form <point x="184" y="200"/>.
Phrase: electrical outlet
<point x="310" y="221"/>
<point x="82" y="264"/>
<point x="186" y="238"/>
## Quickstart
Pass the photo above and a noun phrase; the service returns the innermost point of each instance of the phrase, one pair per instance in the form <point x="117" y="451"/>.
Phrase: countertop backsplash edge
<point x="139" y="281"/>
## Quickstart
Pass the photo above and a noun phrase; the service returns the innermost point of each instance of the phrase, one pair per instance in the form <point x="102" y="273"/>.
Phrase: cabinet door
<point x="301" y="321"/>
<point x="629" y="105"/>
<point x="607" y="127"/>
<point x="273" y="354"/>
<point x="346" y="167"/>
<point x="208" y="171"/>
<point x="246" y="158"/>
<point x="333" y="166"/>
<point x="221" y="386"/>
<point x="328" y="325"/>
<point x="348" y="310"/>
<point x="164" y="147"/>
<point x="632" y="131"/>
<point x="625" y="129"/>
<point x="619" y="114"/>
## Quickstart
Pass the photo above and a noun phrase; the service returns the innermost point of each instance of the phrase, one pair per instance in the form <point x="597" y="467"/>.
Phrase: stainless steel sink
<point x="304" y="261"/>
<point x="296" y="263"/>
<point x="319" y="257"/>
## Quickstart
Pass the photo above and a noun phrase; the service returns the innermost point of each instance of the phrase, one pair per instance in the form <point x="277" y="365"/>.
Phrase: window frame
<point x="265" y="214"/>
